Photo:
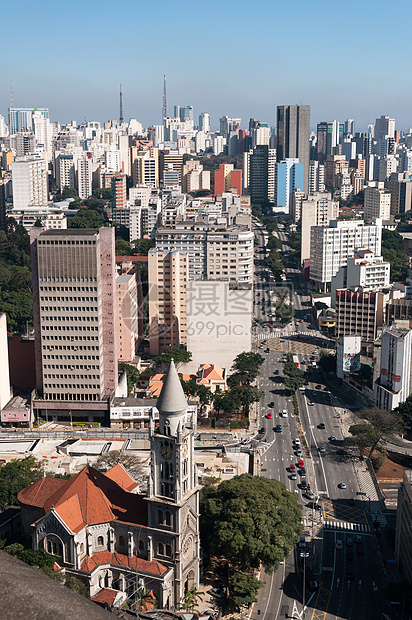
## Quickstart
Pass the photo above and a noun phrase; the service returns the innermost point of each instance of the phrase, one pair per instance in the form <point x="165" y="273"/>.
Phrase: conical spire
<point x="172" y="398"/>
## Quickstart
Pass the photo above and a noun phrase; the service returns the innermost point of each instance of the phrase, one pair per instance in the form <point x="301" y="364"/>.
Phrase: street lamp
<point x="304" y="556"/>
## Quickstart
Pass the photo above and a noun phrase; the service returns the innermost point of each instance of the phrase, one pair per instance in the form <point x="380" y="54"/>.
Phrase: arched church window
<point x="160" y="516"/>
<point x="168" y="518"/>
<point x="160" y="549"/>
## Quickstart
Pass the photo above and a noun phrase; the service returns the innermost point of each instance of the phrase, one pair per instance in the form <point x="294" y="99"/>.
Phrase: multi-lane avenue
<point x="337" y="572"/>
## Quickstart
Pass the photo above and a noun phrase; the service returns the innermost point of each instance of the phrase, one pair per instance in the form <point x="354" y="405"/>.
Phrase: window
<point x="160" y="549"/>
<point x="100" y="541"/>
<point x="122" y="541"/>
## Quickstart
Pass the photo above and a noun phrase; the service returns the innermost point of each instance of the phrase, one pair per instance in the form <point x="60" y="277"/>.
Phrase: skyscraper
<point x="289" y="176"/>
<point x="75" y="321"/>
<point x="384" y="126"/>
<point x="21" y="119"/>
<point x="30" y="182"/>
<point x="292" y="135"/>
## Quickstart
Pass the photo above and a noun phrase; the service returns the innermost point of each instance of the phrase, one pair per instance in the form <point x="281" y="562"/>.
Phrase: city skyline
<point x="219" y="61"/>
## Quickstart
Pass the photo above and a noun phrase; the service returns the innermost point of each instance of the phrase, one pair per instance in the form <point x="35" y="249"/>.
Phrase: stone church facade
<point x="115" y="539"/>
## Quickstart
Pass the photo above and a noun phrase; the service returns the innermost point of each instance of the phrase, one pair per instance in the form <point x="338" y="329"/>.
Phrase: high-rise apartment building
<point x="127" y="298"/>
<point x="227" y="178"/>
<point x="173" y="159"/>
<point x="377" y="203"/>
<point x="21" y="119"/>
<point x="292" y="136"/>
<point x="364" y="269"/>
<point x="146" y="165"/>
<point x="84" y="177"/>
<point x="168" y="274"/>
<point x="317" y="210"/>
<point x="334" y="165"/>
<point x="261" y="165"/>
<point x="400" y="187"/>
<point x="30" y="182"/>
<point x="75" y="321"/>
<point x="384" y="126"/>
<point x="65" y="166"/>
<point x="331" y="246"/>
<point x="204" y="122"/>
<point x="119" y="191"/>
<point x="212" y="252"/>
<point x="316" y="177"/>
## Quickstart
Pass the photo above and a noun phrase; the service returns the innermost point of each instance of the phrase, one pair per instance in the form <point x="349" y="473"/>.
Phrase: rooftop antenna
<point x="121" y="106"/>
<point x="11" y="95"/>
<point x="164" y="98"/>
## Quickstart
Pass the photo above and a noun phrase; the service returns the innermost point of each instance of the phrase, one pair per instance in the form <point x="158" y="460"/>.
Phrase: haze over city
<point x="233" y="58"/>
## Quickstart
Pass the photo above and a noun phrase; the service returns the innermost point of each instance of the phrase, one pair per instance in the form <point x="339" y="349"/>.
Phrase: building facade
<point x="394" y="385"/>
<point x="30" y="182"/>
<point x="292" y="136"/>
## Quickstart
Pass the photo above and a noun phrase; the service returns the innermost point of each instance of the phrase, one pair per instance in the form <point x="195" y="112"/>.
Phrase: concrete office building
<point x="30" y="182"/>
<point x="377" y="203"/>
<point x="212" y="252"/>
<point x="403" y="538"/>
<point x="384" y="126"/>
<point x="317" y="210"/>
<point x="168" y="274"/>
<point x="334" y="165"/>
<point x="331" y="246"/>
<point x="358" y="313"/>
<point x="292" y="136"/>
<point x="328" y="138"/>
<point x="394" y="384"/>
<point x="364" y="269"/>
<point x="289" y="176"/>
<point x="75" y="322"/>
<point x="262" y="173"/>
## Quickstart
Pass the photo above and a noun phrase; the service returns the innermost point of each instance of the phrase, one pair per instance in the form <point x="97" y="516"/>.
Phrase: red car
<point x="292" y="467"/>
<point x="269" y="415"/>
<point x="301" y="463"/>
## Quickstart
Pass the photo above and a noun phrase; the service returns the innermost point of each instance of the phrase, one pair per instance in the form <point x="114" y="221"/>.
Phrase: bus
<point x="295" y="360"/>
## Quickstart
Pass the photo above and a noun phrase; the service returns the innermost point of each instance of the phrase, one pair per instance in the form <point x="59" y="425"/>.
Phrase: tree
<point x="294" y="376"/>
<point x="405" y="411"/>
<point x="327" y="361"/>
<point x="179" y="356"/>
<point x="192" y="596"/>
<point x="380" y="424"/>
<point x="249" y="520"/>
<point x="134" y="466"/>
<point x="87" y="218"/>
<point x="131" y="372"/>
<point x="122" y="248"/>
<point x="246" y="367"/>
<point x="142" y="246"/>
<point x="393" y="252"/>
<point x="244" y="588"/>
<point x="15" y="476"/>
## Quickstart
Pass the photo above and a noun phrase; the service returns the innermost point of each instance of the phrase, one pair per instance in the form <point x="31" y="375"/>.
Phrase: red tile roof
<point x="38" y="492"/>
<point x="106" y="595"/>
<point x="91" y="497"/>
<point x="119" y="474"/>
<point x="120" y="559"/>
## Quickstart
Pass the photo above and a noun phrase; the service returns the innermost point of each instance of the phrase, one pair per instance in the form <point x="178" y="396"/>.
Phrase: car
<point x="269" y="415"/>
<point x="350" y="575"/>
<point x="359" y="550"/>
<point x="301" y="463"/>
<point x="271" y="404"/>
<point x="318" y="387"/>
<point x="309" y="494"/>
<point x="339" y="544"/>
<point x="321" y="426"/>
<point x="302" y="542"/>
<point x="299" y="452"/>
<point x="283" y="413"/>
<point x="332" y="438"/>
<point x="278" y="428"/>
<point x="292" y="467"/>
<point x="342" y="485"/>
<point x="263" y="392"/>
<point x="262" y="431"/>
<point x="311" y="404"/>
<point x="246" y="441"/>
<point x="267" y="350"/>
<point x="358" y="539"/>
<point x="293" y="476"/>
<point x="261" y="346"/>
<point x="302" y="471"/>
<point x="303" y="484"/>
<point x="351" y="501"/>
<point x="300" y="320"/>
<point x="322" y="449"/>
<point x="276" y="372"/>
<point x="349" y="542"/>
<point x="349" y="555"/>
<point x="314" y="505"/>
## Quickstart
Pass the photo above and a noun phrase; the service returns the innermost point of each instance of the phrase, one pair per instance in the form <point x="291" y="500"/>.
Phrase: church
<point x="115" y="539"/>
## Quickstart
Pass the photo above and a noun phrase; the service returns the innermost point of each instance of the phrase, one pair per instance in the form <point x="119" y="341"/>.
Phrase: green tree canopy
<point x="327" y="361"/>
<point x="132" y="374"/>
<point x="393" y="252"/>
<point x="405" y="411"/>
<point x="15" y="476"/>
<point x="294" y="376"/>
<point x="179" y="356"/>
<point x="87" y="218"/>
<point x="249" y="520"/>
<point x="123" y="248"/>
<point x="380" y="424"/>
<point x="246" y="367"/>
<point x="142" y="246"/>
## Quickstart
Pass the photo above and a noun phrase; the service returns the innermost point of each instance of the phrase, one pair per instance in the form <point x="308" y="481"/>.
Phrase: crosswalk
<point x="347" y="525"/>
<point x="280" y="333"/>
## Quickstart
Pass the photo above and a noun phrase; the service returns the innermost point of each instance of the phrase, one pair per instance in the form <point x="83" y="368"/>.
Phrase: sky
<point x="237" y="58"/>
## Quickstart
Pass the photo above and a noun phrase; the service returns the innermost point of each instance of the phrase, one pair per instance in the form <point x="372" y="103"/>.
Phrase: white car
<point x="283" y="413"/>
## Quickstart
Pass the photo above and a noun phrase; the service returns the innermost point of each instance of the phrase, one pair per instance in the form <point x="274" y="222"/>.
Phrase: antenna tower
<point x="164" y="98"/>
<point x="121" y="106"/>
<point x="11" y="95"/>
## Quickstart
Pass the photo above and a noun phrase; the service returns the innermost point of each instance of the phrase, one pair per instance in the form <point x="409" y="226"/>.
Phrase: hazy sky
<point x="345" y="59"/>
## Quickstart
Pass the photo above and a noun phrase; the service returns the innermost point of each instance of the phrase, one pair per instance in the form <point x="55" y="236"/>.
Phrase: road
<point x="349" y="579"/>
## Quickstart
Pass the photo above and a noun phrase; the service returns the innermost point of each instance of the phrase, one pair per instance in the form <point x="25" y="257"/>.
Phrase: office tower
<point x="170" y="178"/>
<point x="395" y="378"/>
<point x="359" y="313"/>
<point x="262" y="173"/>
<point x="349" y="127"/>
<point x="292" y="135"/>
<point x="227" y="178"/>
<point x="400" y="187"/>
<point x="30" y="182"/>
<point x="260" y="134"/>
<point x="384" y="126"/>
<point x="364" y="269"/>
<point x="328" y="138"/>
<point x="84" y="177"/>
<point x="377" y="203"/>
<point x="128" y="314"/>
<point x="21" y="119"/>
<point x="204" y="122"/>
<point x="334" y="165"/>
<point x="348" y="148"/>
<point x="316" y="177"/>
<point x="186" y="113"/>
<point x="75" y="321"/>
<point x="331" y="246"/>
<point x="168" y="274"/>
<point x="226" y="125"/>
<point x="119" y="191"/>
<point x="317" y="210"/>
<point x="289" y="176"/>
